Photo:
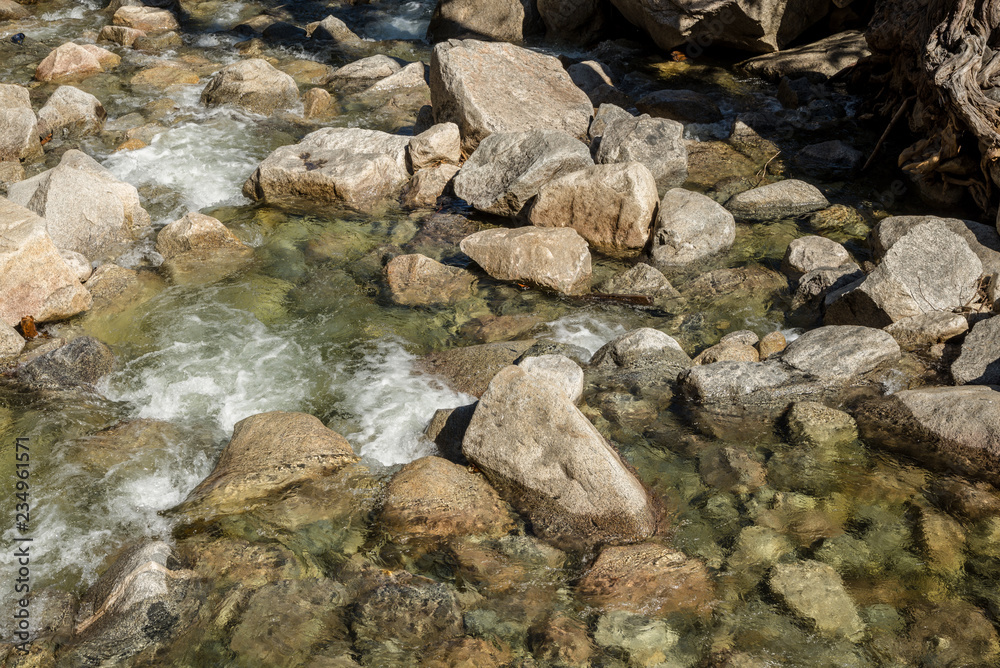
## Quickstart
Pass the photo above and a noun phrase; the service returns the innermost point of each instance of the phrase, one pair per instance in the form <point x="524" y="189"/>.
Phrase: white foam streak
<point x="584" y="330"/>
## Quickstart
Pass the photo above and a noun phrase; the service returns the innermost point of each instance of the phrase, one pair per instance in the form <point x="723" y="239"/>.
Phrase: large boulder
<point x="253" y="84"/>
<point x="417" y="280"/>
<point x="759" y="26"/>
<point x="979" y="361"/>
<point x="658" y="143"/>
<point x="549" y="462"/>
<point x="492" y="20"/>
<point x="356" y="167"/>
<point x="812" y="252"/>
<point x="553" y="258"/>
<point x="71" y="112"/>
<point x="18" y="125"/>
<point x="34" y="279"/>
<point x="85" y="207"/>
<point x="74" y="61"/>
<point x="12" y="11"/>
<point x="690" y="227"/>
<point x="509" y="168"/>
<point x="441" y="143"/>
<point x="817" y="61"/>
<point x="577" y="21"/>
<point x="611" y="206"/>
<point x="470" y="369"/>
<point x="983" y="240"/>
<point x="498" y="87"/>
<point x="930" y="268"/>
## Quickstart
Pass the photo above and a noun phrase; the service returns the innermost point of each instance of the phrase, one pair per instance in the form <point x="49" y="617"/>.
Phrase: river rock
<point x="253" y="84"/>
<point x="417" y="280"/>
<point x="561" y="640"/>
<point x="814" y="425"/>
<point x="813" y="591"/>
<point x="979" y="360"/>
<point x="70" y="61"/>
<point x="407" y="614"/>
<point x="817" y="61"/>
<point x="491" y="20"/>
<point x="18" y="135"/>
<point x="606" y="114"/>
<point x="829" y="160"/>
<point x="812" y="252"/>
<point x="11" y="343"/>
<point x="645" y="281"/>
<point x="146" y="19"/>
<point x="553" y="258"/>
<point x="648" y="578"/>
<point x="690" y="227"/>
<point x="315" y="102"/>
<point x="835" y="353"/>
<point x="428" y="185"/>
<point x="164" y="76"/>
<point x="559" y="370"/>
<point x="145" y="598"/>
<point x="120" y="35"/>
<point x="784" y="199"/>
<point x="471" y="368"/>
<point x="746" y="25"/>
<point x="640" y="347"/>
<point x="727" y="352"/>
<point x="77" y="365"/>
<point x="70" y="112"/>
<point x="114" y="286"/>
<point x="195" y="232"/>
<point x="268" y="452"/>
<point x="371" y="68"/>
<point x="85" y="207"/>
<point x="930" y="268"/>
<point x="12" y="11"/>
<point x="926" y="329"/>
<point x="658" y="143"/>
<point x="433" y="498"/>
<point x="34" y="279"/>
<point x="772" y="344"/>
<point x="507" y="169"/>
<point x="814" y="286"/>
<point x="685" y="106"/>
<point x="439" y="143"/>
<point x="360" y="168"/>
<point x="410" y="76"/>
<point x="952" y="633"/>
<point x="982" y="239"/>
<point x="611" y="206"/>
<point x="332" y="29"/>
<point x="549" y="462"/>
<point x="473" y="84"/>
<point x="593" y="78"/>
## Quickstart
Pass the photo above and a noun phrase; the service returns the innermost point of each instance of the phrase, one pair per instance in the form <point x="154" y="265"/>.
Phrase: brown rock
<point x="727" y="352"/>
<point x="18" y="136"/>
<point x="119" y="35"/>
<point x="147" y="19"/>
<point x="470" y="369"/>
<point x="772" y="344"/>
<point x="417" y="280"/>
<point x="553" y="258"/>
<point x="428" y="185"/>
<point x="161" y="76"/>
<point x="315" y="102"/>
<point x="69" y="61"/>
<point x="195" y="232"/>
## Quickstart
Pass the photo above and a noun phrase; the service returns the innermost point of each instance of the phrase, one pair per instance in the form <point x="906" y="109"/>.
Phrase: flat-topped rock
<point x="784" y="199"/>
<point x="817" y="61"/>
<point x="147" y="19"/>
<point x="556" y="258"/>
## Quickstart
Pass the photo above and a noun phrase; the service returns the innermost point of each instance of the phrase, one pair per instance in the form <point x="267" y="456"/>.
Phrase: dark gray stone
<point x="979" y="361"/>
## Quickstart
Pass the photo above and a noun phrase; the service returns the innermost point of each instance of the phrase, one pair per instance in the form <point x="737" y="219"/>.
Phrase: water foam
<point x="584" y="330"/>
<point x="407" y="21"/>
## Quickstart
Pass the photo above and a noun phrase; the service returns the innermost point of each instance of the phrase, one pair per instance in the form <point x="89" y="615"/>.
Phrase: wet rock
<point x="507" y="169"/>
<point x="971" y="500"/>
<point x="784" y="199"/>
<point x="410" y="615"/>
<point x="611" y="206"/>
<point x="470" y="369"/>
<point x="731" y="469"/>
<point x="740" y="280"/>
<point x="643" y="280"/>
<point x="551" y="464"/>
<point x="268" y="452"/>
<point x="11" y="343"/>
<point x="146" y="19"/>
<point x="942" y="540"/>
<point x="811" y="252"/>
<point x="727" y="352"/>
<point x="332" y="29"/>
<point x="417" y="280"/>
<point x="838" y="353"/>
<point x="359" y="168"/>
<point x="648" y="578"/>
<point x="472" y="82"/>
<point x="428" y="185"/>
<point x="772" y="344"/>
<point x="128" y="440"/>
<point x="86" y="208"/>
<point x="978" y="362"/>
<point x="164" y="76"/>
<point x="34" y="279"/>
<point x="830" y="160"/>
<point x="18" y="136"/>
<point x="439" y="143"/>
<point x="468" y="652"/>
<point x="690" y="227"/>
<point x="817" y="61"/>
<point x="930" y="268"/>
<point x="490" y="328"/>
<point x="559" y="370"/>
<point x="926" y="329"/>
<point x="640" y="347"/>
<point x="814" y="425"/>
<point x="433" y="498"/>
<point x="685" y="106"/>
<point x="72" y="61"/>
<point x="253" y="84"/>
<point x="70" y="112"/>
<point x="493" y="21"/>
<point x="658" y="143"/>
<point x="195" y="232"/>
<point x="12" y="11"/>
<point x="757" y="549"/>
<point x="953" y="633"/>
<point x="158" y="43"/>
<point x="78" y="364"/>
<point x="561" y="641"/>
<point x="553" y="258"/>
<point x="367" y="69"/>
<point x="120" y="35"/>
<point x="814" y="592"/>
<point x="144" y="599"/>
<point x="648" y="642"/>
<point x="983" y="240"/>
<point x="113" y="286"/>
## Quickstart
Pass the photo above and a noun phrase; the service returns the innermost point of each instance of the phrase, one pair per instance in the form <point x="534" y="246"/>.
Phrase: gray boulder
<point x="358" y="168"/>
<point x="70" y="112"/>
<point x="559" y="370"/>
<point x="498" y="87"/>
<point x="611" y="206"/>
<point x="690" y="227"/>
<point x="812" y="252"/>
<point x="554" y="258"/>
<point x="508" y="168"/>
<point x="784" y="199"/>
<point x="366" y="70"/>
<point x="645" y="281"/>
<point x="86" y="209"/>
<point x="814" y="591"/>
<point x="576" y="21"/>
<point x="926" y="329"/>
<point x="979" y="361"/>
<point x="838" y="354"/>
<point x="77" y="365"/>
<point x="428" y="185"/>
<point x="18" y="131"/>
<point x="492" y="20"/>
<point x="439" y="143"/>
<point x="817" y="61"/>
<point x="658" y="143"/>
<point x="253" y="84"/>
<point x="332" y="29"/>
<point x="983" y="240"/>
<point x="606" y="114"/>
<point x="640" y="347"/>
<point x="594" y="79"/>
<point x="549" y="462"/>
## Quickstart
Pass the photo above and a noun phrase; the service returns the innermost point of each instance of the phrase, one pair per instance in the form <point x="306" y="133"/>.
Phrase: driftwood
<point x="945" y="55"/>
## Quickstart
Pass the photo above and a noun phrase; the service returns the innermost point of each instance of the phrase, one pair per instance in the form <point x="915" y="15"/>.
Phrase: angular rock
<point x="685" y="106"/>
<point x="332" y="29"/>
<point x="113" y="286"/>
<point x="549" y="462"/>
<point x="268" y="452"/>
<point x="471" y="368"/>
<point x="85" y="207"/>
<point x="315" y="102"/>
<point x="70" y="112"/>
<point x="491" y="20"/>
<point x="34" y="279"/>
<point x="926" y="329"/>
<point x="417" y="280"/>
<point x="830" y="160"/>
<point x="814" y="592"/>
<point x="930" y="268"/>
<point x="983" y="240"/>
<point x="838" y="353"/>
<point x="253" y="84"/>
<point x="591" y="77"/>
<point x="559" y="370"/>
<point x="18" y="134"/>
<point x="77" y="365"/>
<point x="979" y="361"/>
<point x="553" y="258"/>
<point x="811" y="252"/>
<point x="359" y="168"/>
<point x="815" y="425"/>
<point x="658" y="143"/>
<point x="195" y="232"/>
<point x="607" y="114"/>
<point x="784" y="199"/>
<point x="433" y="498"/>
<point x="638" y="347"/>
<point x="439" y="143"/>
<point x="643" y="280"/>
<point x="412" y="75"/>
<point x="366" y="69"/>
<point x="497" y="87"/>
<point x="817" y="61"/>
<point x="428" y="185"/>
<point x="66" y="62"/>
<point x="690" y="227"/>
<point x="146" y="19"/>
<point x="120" y="35"/>
<point x="11" y="343"/>
<point x="814" y="286"/>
